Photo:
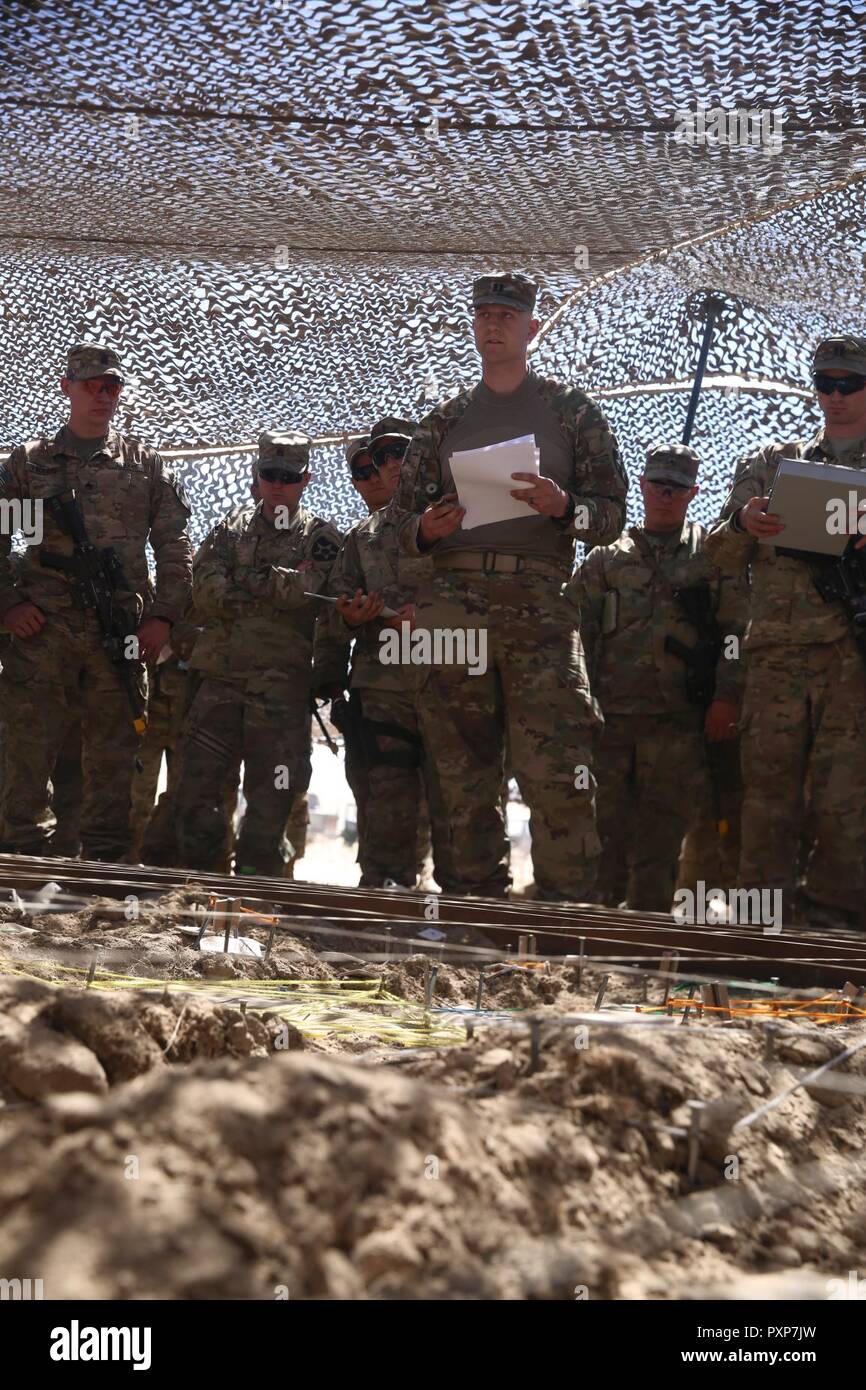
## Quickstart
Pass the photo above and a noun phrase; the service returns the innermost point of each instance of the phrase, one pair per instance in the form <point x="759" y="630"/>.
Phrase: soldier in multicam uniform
<point x="804" y="709"/>
<point x="255" y="659"/>
<point x="56" y="663"/>
<point x="387" y="773"/>
<point x="650" y="764"/>
<point x="504" y="579"/>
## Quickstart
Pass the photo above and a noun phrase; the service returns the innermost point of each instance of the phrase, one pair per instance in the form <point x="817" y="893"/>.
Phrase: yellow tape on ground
<point x="317" y="1008"/>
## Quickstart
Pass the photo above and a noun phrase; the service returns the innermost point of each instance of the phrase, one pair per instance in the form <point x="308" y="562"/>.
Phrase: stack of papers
<point x="484" y="482"/>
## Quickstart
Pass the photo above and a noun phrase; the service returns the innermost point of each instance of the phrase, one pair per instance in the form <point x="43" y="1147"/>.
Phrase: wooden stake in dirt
<point x="722" y="999"/>
<point x="714" y="997"/>
<point x="91" y="974"/>
<point x="599" y="998"/>
<point x="580" y="961"/>
<point x="271" y="934"/>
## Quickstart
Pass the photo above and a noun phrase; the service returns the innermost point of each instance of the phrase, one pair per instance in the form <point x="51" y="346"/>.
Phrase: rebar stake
<point x="534" y="1044"/>
<point x="697" y="1108"/>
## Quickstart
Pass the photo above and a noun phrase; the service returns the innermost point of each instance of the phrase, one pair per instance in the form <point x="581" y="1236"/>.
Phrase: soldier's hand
<point x="544" y="496"/>
<point x="440" y="519"/>
<point x="152" y="637"/>
<point x="360" y="609"/>
<point x="24" y="620"/>
<point x="754" y="518"/>
<point x="406" y="614"/>
<point x="721" y="721"/>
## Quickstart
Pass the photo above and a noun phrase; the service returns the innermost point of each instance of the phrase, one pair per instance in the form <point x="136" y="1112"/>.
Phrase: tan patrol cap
<point x="845" y="351"/>
<point x="508" y="287"/>
<point x="290" y="450"/>
<point x="391" y="427"/>
<point x="88" y="360"/>
<point x="674" y="463"/>
<point x="357" y="446"/>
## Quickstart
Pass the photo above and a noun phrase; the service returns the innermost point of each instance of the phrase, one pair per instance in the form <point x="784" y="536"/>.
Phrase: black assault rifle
<point x="97" y="576"/>
<point x="701" y="661"/>
<point x="844" y="577"/>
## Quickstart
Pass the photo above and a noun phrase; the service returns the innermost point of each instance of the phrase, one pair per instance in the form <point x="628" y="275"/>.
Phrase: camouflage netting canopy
<point x="274" y="210"/>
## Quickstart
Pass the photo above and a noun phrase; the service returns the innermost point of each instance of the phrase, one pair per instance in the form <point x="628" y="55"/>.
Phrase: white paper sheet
<point x="484" y="482"/>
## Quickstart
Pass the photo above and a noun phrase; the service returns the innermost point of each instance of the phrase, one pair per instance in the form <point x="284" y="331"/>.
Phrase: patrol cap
<point x="88" y="360"/>
<point x="391" y="427"/>
<point x="289" y="450"/>
<point x="845" y="351"/>
<point x="508" y="287"/>
<point x="357" y="446"/>
<point x="673" y="463"/>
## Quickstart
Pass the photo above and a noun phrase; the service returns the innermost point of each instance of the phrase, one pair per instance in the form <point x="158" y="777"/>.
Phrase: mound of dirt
<point x="56" y="1040"/>
<point x="318" y="1178"/>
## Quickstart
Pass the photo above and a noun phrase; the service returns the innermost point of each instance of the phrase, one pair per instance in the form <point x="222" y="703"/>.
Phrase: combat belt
<point x="840" y="577"/>
<point x="96" y="577"/>
<point x="362" y="735"/>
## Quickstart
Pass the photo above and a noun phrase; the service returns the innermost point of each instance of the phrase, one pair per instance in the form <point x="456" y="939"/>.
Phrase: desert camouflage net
<point x="274" y="213"/>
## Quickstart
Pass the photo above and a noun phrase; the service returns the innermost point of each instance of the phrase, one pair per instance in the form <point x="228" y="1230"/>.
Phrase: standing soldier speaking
<point x="503" y="580"/>
<point x="115" y="494"/>
<point x="254" y="655"/>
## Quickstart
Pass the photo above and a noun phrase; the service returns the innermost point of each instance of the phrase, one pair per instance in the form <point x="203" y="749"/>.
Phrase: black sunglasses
<point x="845" y="385"/>
<point x="394" y="449"/>
<point x="281" y="475"/>
<point x="363" y="472"/>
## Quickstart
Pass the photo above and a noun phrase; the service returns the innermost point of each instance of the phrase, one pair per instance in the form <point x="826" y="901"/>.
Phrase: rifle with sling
<point x="97" y="576"/>
<point x="701" y="662"/>
<point x="841" y="577"/>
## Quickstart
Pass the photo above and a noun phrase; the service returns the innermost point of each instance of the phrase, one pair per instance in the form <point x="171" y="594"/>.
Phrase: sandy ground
<point x="164" y="1143"/>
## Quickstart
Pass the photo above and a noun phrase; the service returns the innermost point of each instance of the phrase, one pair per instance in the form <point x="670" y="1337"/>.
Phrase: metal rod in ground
<point x="697" y="1108"/>
<point x="687" y="1009"/>
<point x="225" y="904"/>
<point x="599" y="998"/>
<point x="91" y="973"/>
<point x="432" y="972"/>
<point x="806" y="1080"/>
<point x="271" y="934"/>
<point x="580" y="961"/>
<point x="534" y="1044"/>
<point x="480" y="989"/>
